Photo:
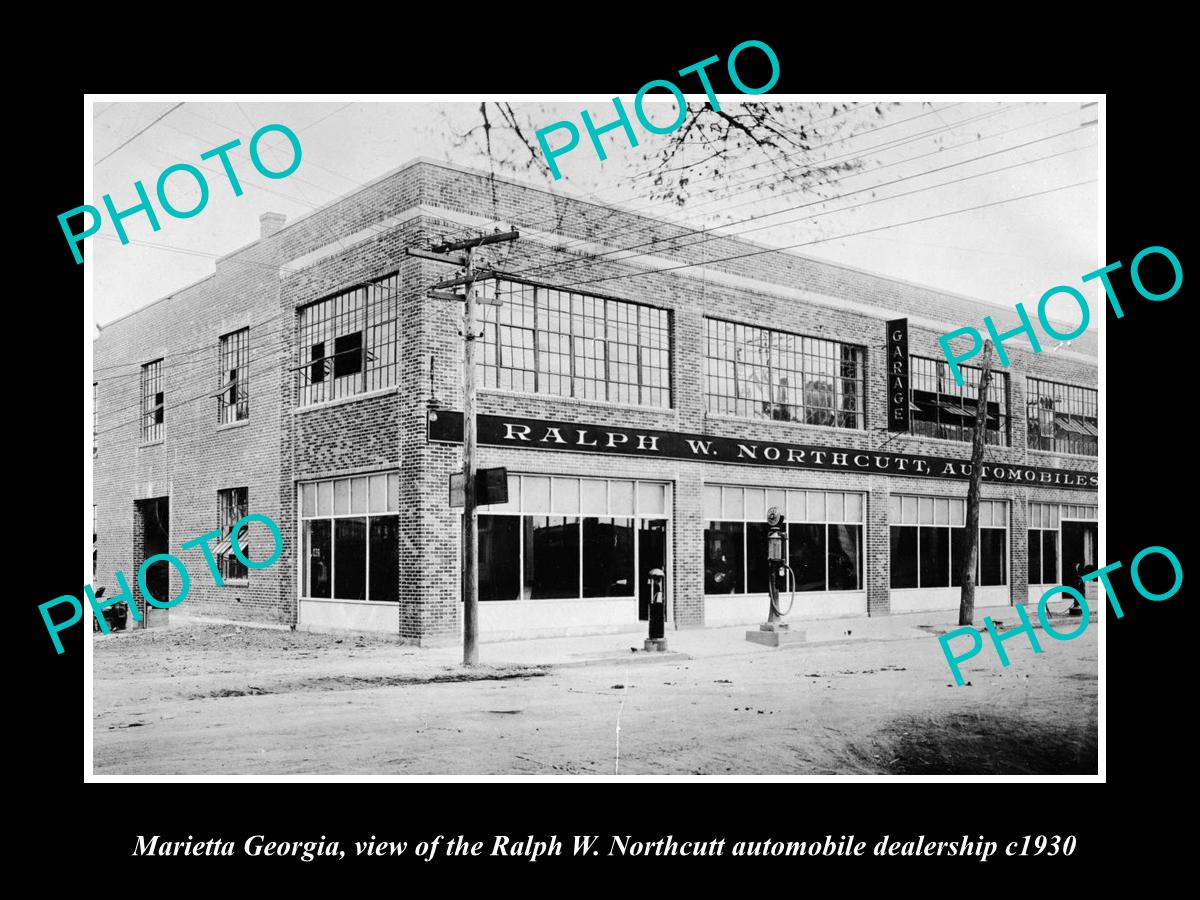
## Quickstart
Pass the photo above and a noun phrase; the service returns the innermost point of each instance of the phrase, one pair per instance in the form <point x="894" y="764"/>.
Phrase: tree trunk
<point x="966" y="606"/>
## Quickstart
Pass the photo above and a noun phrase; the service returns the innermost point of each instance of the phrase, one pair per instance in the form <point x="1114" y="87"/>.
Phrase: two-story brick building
<point x="651" y="392"/>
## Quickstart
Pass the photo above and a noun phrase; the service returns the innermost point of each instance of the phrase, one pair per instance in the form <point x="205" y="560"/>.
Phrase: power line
<point x="141" y="132"/>
<point x="206" y="395"/>
<point x="859" y="155"/>
<point x="741" y="187"/>
<point x="836" y="237"/>
<point x="329" y="116"/>
<point x="379" y="229"/>
<point x="676" y="246"/>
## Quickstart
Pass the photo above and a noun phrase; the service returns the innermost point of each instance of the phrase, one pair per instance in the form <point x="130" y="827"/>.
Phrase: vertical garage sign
<point x="897" y="363"/>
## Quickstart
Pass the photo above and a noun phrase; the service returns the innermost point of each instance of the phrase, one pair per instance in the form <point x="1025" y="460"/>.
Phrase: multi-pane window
<point x="1061" y="417"/>
<point x="929" y="541"/>
<point x="941" y="408"/>
<point x="351" y="538"/>
<point x="233" y="397"/>
<point x="152" y="401"/>
<point x="766" y="374"/>
<point x="348" y="344"/>
<point x="1044" y="539"/>
<point x="548" y="341"/>
<point x="824" y="531"/>
<point x="232" y="505"/>
<point x="572" y="538"/>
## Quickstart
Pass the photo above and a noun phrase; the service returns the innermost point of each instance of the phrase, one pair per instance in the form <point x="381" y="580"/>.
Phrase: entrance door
<point x="652" y="554"/>
<point x="156" y="538"/>
<point x="1079" y="548"/>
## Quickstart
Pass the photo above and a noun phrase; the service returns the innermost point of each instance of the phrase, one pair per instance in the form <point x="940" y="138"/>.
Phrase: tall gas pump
<point x="778" y="569"/>
<point x="780" y="579"/>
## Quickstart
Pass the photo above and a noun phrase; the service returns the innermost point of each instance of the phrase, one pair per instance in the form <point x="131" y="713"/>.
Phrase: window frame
<point x="370" y="309"/>
<point x="802" y="347"/>
<point x="153" y="425"/>
<point x="825" y="520"/>
<point x="1057" y="514"/>
<point x="950" y="394"/>
<point x="1069" y="394"/>
<point x="228" y="508"/>
<point x="516" y="508"/>
<point x="592" y="322"/>
<point x="234" y="347"/>
<point x="1007" y="505"/>
<point x="391" y="509"/>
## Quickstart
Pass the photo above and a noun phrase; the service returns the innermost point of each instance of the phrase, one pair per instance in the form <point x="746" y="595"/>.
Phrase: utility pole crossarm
<point x="480" y="241"/>
<point x="455" y="259"/>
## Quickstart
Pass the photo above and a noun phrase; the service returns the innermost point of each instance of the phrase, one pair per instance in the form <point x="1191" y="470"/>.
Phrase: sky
<point x="1011" y="250"/>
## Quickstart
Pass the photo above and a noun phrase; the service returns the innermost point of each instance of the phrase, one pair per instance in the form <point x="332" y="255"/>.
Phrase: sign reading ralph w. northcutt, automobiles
<point x="508" y="431"/>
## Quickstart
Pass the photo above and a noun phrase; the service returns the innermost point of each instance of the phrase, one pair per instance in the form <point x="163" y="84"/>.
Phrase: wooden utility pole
<point x="966" y="606"/>
<point x="470" y="519"/>
<point x="462" y="254"/>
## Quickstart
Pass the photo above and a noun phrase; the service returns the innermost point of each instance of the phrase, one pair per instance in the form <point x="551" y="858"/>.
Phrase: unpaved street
<point x="224" y="700"/>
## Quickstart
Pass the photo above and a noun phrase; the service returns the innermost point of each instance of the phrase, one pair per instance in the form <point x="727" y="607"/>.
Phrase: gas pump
<point x="778" y="567"/>
<point x="775" y="632"/>
<point x="658" y="611"/>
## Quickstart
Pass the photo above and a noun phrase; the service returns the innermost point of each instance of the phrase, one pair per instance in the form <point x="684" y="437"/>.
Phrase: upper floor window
<point x="776" y="375"/>
<point x="1061" y="417"/>
<point x="233" y="397"/>
<point x="548" y="341"/>
<point x="152" y="401"/>
<point x="943" y="409"/>
<point x="348" y="343"/>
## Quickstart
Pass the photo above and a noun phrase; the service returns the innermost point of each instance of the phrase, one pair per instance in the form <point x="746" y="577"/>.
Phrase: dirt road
<point x="224" y="700"/>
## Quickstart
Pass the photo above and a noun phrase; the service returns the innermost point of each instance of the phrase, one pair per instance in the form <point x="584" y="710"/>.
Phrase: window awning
<point x="955" y="410"/>
<point x="224" y="547"/>
<point x="1073" y="426"/>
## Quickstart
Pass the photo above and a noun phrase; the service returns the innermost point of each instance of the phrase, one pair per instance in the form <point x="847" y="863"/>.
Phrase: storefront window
<point x="561" y="538"/>
<point x="929" y="542"/>
<point x="1044" y="539"/>
<point x="607" y="557"/>
<point x="824" y="531"/>
<point x="351" y="538"/>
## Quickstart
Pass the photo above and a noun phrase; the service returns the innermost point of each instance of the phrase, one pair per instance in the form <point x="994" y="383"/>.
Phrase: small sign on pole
<point x="491" y="487"/>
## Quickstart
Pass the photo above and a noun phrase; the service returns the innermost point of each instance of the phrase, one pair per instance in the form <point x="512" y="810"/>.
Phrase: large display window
<point x="825" y="538"/>
<point x="929" y="541"/>
<point x="565" y="538"/>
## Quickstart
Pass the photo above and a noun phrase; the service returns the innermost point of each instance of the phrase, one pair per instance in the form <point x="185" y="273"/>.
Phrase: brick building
<point x="648" y="403"/>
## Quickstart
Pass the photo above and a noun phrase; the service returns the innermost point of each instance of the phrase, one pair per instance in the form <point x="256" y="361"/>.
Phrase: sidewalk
<point x="726" y="640"/>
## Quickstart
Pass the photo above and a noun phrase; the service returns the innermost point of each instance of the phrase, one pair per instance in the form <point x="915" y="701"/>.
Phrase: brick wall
<point x="363" y="236"/>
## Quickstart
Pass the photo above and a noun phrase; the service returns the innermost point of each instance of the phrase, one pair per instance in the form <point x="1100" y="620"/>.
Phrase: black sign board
<point x="897" y="375"/>
<point x="538" y="434"/>
<point x="491" y="485"/>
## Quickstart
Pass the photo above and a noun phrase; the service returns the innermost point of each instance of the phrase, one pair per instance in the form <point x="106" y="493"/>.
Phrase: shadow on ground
<point x="978" y="744"/>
